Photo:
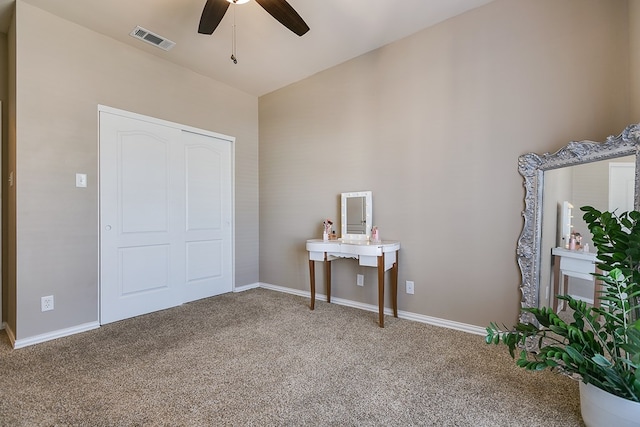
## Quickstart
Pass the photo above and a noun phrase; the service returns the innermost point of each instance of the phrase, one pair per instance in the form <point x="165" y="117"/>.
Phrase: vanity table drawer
<point x="316" y="256"/>
<point x="361" y="249"/>
<point x="577" y="265"/>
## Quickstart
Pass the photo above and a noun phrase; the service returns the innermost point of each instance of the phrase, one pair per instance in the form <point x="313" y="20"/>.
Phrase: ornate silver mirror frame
<point x="532" y="167"/>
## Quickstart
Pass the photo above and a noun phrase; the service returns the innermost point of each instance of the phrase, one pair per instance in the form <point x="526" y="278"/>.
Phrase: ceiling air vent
<point x="151" y="38"/>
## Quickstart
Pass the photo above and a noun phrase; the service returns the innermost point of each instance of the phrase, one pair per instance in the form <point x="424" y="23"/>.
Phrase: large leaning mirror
<point x="603" y="175"/>
<point x="356" y="208"/>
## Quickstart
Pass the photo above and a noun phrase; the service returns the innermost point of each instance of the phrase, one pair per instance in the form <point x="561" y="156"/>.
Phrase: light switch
<point x="81" y="180"/>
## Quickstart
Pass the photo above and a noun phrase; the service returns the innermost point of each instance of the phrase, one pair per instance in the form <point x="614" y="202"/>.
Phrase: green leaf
<point x="574" y="354"/>
<point x="601" y="345"/>
<point x="600" y="360"/>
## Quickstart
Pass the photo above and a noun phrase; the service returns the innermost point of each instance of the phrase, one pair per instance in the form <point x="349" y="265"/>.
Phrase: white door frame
<point x="230" y="139"/>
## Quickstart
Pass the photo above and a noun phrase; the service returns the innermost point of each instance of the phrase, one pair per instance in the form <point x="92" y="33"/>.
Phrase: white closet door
<point x="140" y="197"/>
<point x="165" y="217"/>
<point x="208" y="212"/>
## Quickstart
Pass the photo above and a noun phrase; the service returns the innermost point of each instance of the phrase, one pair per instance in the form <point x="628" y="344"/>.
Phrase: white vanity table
<point x="383" y="255"/>
<point x="568" y="263"/>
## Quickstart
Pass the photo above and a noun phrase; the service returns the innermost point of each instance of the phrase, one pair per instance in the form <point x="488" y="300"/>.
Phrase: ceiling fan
<point x="282" y="11"/>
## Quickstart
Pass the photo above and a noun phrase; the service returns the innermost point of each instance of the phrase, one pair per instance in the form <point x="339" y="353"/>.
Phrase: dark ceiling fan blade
<point x="285" y="14"/>
<point x="212" y="14"/>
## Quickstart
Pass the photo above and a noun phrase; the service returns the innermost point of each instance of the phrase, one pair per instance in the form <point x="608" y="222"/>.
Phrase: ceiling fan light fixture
<point x="281" y="10"/>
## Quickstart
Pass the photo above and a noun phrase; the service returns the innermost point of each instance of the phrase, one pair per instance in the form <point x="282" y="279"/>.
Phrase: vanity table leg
<point x="381" y="290"/>
<point x="597" y="283"/>
<point x="565" y="290"/>
<point x="394" y="286"/>
<point x="556" y="282"/>
<point x="312" y="276"/>
<point x="327" y="276"/>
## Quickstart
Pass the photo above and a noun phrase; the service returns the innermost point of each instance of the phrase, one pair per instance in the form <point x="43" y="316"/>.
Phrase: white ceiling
<point x="269" y="55"/>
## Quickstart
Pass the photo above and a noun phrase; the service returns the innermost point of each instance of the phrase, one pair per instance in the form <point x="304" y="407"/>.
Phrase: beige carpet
<point x="262" y="358"/>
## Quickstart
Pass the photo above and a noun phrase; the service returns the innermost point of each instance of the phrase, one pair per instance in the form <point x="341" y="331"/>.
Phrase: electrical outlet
<point x="410" y="287"/>
<point x="360" y="280"/>
<point x="81" y="180"/>
<point x="46" y="303"/>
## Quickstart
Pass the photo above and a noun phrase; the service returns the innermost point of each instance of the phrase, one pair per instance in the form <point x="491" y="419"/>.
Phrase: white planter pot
<point x="600" y="408"/>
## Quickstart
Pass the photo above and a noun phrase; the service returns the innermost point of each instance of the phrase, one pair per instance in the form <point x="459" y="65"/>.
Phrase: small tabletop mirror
<point x="356" y="215"/>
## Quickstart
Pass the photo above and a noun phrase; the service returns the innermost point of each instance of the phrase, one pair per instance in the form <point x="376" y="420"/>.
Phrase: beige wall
<point x="4" y="98"/>
<point x="557" y="189"/>
<point x="634" y="49"/>
<point x="64" y="71"/>
<point x="433" y="125"/>
<point x="8" y="195"/>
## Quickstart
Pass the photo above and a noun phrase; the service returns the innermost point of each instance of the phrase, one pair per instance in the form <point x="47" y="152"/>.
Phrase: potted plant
<point x="601" y="346"/>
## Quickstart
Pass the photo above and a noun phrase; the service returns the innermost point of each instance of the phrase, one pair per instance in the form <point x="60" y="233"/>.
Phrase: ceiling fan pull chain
<point x="233" y="37"/>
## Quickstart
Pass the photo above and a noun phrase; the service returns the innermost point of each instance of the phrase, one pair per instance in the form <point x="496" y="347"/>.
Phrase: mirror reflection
<point x="605" y="185"/>
<point x="555" y="250"/>
<point x="356" y="215"/>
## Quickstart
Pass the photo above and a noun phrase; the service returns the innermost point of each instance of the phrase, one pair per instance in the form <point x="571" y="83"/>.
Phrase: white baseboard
<point x="37" y="339"/>
<point x="246" y="287"/>
<point x="464" y="327"/>
<point x="297" y="292"/>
